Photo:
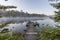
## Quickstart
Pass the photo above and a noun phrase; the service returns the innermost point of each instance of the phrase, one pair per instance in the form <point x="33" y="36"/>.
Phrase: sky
<point x="31" y="6"/>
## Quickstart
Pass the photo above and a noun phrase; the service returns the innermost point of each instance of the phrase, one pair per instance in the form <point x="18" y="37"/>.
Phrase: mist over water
<point x="19" y="19"/>
<point x="21" y="26"/>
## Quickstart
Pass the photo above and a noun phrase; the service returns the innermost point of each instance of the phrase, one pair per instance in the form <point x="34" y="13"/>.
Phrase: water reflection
<point x="20" y="27"/>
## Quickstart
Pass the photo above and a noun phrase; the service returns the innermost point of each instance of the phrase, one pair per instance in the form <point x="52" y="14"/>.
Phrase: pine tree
<point x="6" y="7"/>
<point x="56" y="4"/>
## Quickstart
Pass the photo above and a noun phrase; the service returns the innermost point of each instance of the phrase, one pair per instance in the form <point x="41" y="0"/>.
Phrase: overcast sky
<point x="31" y="6"/>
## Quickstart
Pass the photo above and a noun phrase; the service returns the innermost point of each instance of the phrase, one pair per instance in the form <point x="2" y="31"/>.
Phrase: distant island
<point x="5" y="12"/>
<point x="13" y="13"/>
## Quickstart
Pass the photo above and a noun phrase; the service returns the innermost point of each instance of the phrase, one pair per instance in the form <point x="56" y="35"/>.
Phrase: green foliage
<point x="57" y="6"/>
<point x="7" y="7"/>
<point x="57" y="15"/>
<point x="48" y="33"/>
<point x="4" y="36"/>
<point x="15" y="36"/>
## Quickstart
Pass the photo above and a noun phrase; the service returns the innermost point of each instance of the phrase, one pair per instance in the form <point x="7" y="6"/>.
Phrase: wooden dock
<point x="30" y="33"/>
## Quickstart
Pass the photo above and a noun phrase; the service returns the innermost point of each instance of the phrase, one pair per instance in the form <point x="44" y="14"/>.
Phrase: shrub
<point x="15" y="36"/>
<point x="49" y="33"/>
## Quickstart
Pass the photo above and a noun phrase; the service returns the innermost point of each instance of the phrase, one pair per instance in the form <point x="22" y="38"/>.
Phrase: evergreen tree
<point x="6" y="7"/>
<point x="56" y="4"/>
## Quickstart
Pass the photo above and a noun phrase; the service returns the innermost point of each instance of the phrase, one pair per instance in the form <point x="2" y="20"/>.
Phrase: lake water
<point x="20" y="27"/>
<point x="20" y="19"/>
